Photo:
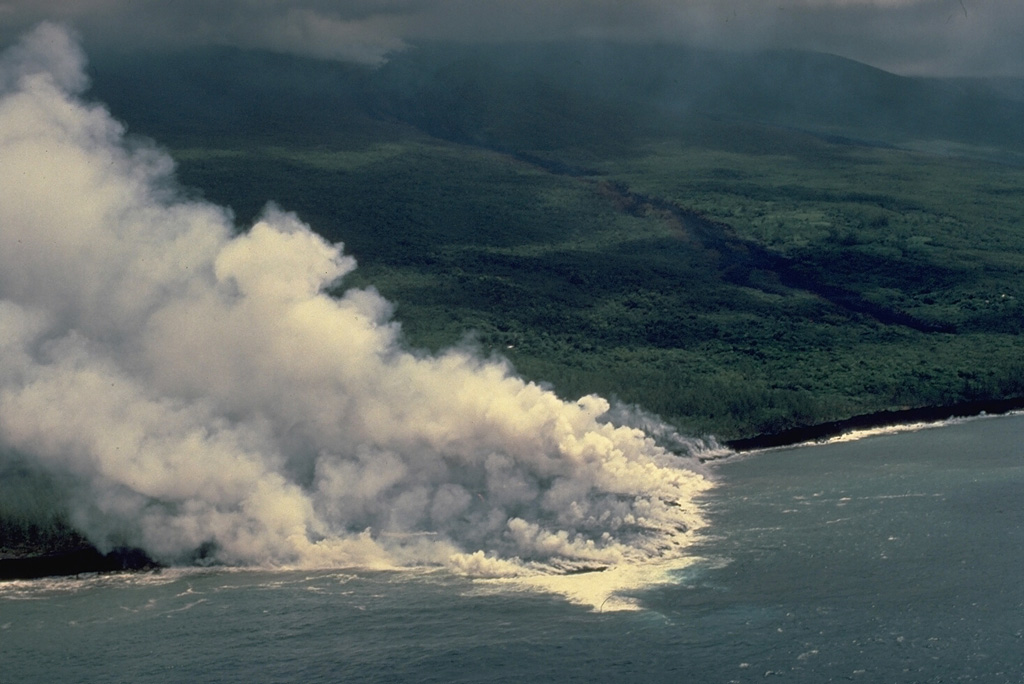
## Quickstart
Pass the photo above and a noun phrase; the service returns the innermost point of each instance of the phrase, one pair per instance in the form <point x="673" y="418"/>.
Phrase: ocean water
<point x="890" y="558"/>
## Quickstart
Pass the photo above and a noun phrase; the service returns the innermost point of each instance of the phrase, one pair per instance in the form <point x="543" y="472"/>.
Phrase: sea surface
<point x="889" y="558"/>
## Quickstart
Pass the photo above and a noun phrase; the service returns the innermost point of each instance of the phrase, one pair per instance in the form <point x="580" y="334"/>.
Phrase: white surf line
<point x="859" y="434"/>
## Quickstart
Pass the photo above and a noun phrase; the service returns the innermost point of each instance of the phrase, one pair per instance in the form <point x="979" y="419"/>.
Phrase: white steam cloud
<point x="192" y="388"/>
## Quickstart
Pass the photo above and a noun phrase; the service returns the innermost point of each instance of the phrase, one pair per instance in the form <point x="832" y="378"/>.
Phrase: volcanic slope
<point x="739" y="243"/>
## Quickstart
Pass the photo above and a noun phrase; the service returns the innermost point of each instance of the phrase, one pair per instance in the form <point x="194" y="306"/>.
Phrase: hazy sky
<point x="947" y="37"/>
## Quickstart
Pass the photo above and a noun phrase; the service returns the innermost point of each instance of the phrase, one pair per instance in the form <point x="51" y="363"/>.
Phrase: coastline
<point x="869" y="421"/>
<point x="77" y="561"/>
<point x="81" y="558"/>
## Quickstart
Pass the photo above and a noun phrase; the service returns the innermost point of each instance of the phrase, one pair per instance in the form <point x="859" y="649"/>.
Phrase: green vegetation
<point x="731" y="275"/>
<point x="592" y="292"/>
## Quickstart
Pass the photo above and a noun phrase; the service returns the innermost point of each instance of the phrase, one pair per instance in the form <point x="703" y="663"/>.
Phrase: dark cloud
<point x="907" y="36"/>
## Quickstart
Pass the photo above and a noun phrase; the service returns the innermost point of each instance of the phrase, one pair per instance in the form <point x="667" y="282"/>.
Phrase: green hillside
<point x="738" y="243"/>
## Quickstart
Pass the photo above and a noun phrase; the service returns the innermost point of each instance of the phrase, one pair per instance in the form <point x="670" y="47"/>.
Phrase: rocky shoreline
<point x="879" y="419"/>
<point x="76" y="561"/>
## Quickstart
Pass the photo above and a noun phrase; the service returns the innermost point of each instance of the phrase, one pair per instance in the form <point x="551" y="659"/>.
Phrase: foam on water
<point x="609" y="590"/>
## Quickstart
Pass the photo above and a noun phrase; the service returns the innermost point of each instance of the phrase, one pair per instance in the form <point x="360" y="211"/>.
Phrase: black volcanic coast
<point x="879" y="419"/>
<point x="77" y="560"/>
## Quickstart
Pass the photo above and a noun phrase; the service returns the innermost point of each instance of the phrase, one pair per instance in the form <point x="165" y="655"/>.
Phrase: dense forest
<point x="738" y="243"/>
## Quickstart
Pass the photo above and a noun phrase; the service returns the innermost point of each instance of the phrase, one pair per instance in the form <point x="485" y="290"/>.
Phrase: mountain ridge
<point x="520" y="97"/>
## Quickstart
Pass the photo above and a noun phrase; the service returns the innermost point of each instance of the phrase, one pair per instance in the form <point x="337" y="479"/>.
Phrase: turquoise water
<point x="894" y="558"/>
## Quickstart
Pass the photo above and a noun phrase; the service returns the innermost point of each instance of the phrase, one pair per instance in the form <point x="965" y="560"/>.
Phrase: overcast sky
<point x="934" y="37"/>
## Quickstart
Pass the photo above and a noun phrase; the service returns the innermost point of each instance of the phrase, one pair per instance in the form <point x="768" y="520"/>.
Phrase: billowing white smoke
<point x="195" y="388"/>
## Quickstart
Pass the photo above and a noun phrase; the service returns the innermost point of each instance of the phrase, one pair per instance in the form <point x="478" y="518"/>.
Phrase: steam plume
<point x="191" y="387"/>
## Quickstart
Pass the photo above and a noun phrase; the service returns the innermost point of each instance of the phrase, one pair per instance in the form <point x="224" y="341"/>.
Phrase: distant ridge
<point x="528" y="96"/>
